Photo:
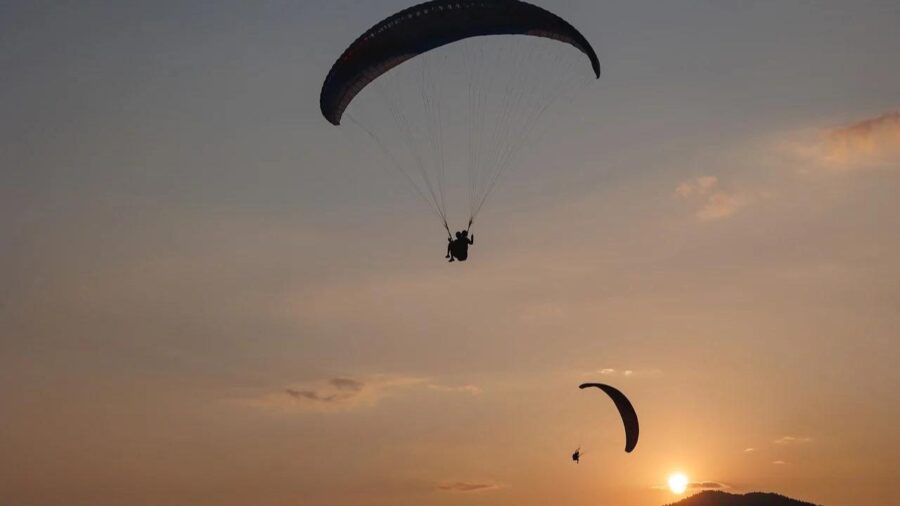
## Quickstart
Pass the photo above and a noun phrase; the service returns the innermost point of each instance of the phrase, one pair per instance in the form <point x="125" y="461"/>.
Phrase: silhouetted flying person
<point x="458" y="249"/>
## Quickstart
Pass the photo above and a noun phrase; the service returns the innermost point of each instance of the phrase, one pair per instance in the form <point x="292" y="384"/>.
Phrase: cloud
<point x="468" y="389"/>
<point x="749" y="450"/>
<point x="699" y="186"/>
<point x="335" y="390"/>
<point x="344" y="394"/>
<point x="871" y="143"/>
<point x="346" y="384"/>
<point x="715" y="203"/>
<point x="334" y="394"/>
<point x="707" y="485"/>
<point x="467" y="487"/>
<point x="624" y="373"/>
<point x="721" y="205"/>
<point x="698" y="485"/>
<point x="779" y="462"/>
<point x="792" y="440"/>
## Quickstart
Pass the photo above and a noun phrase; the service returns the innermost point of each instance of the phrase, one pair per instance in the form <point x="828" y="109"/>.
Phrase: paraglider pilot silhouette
<point x="577" y="455"/>
<point x="458" y="249"/>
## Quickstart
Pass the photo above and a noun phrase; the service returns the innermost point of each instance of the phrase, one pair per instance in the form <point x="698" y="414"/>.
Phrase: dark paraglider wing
<point x="478" y="76"/>
<point x="430" y="25"/>
<point x="626" y="411"/>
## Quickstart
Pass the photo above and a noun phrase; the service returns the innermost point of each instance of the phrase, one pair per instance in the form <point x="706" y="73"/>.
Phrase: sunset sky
<point x="210" y="297"/>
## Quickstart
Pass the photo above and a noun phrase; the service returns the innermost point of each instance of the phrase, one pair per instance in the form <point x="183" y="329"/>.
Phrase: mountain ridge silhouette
<point x="719" y="498"/>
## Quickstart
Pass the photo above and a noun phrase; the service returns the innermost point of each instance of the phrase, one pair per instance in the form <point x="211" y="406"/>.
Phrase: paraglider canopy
<point x="626" y="411"/>
<point x="450" y="91"/>
<point x="429" y="25"/>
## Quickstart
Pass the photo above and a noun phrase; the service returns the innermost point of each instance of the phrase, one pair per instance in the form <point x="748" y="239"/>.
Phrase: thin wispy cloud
<point x="792" y="440"/>
<point x="713" y="202"/>
<point x="721" y="205"/>
<point x="467" y="389"/>
<point x="467" y="486"/>
<point x="623" y="373"/>
<point x="871" y="143"/>
<point x="707" y="485"/>
<point x="697" y="485"/>
<point x="749" y="450"/>
<point x="332" y="395"/>
<point x="779" y="462"/>
<point x="336" y="390"/>
<point x="345" y="394"/>
<point x="699" y="186"/>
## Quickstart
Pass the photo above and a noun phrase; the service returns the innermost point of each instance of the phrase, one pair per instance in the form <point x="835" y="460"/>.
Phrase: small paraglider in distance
<point x="458" y="249"/>
<point x="626" y="411"/>
<point x="576" y="457"/>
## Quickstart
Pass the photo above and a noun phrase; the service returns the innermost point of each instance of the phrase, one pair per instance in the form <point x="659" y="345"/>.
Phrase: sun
<point x="678" y="483"/>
